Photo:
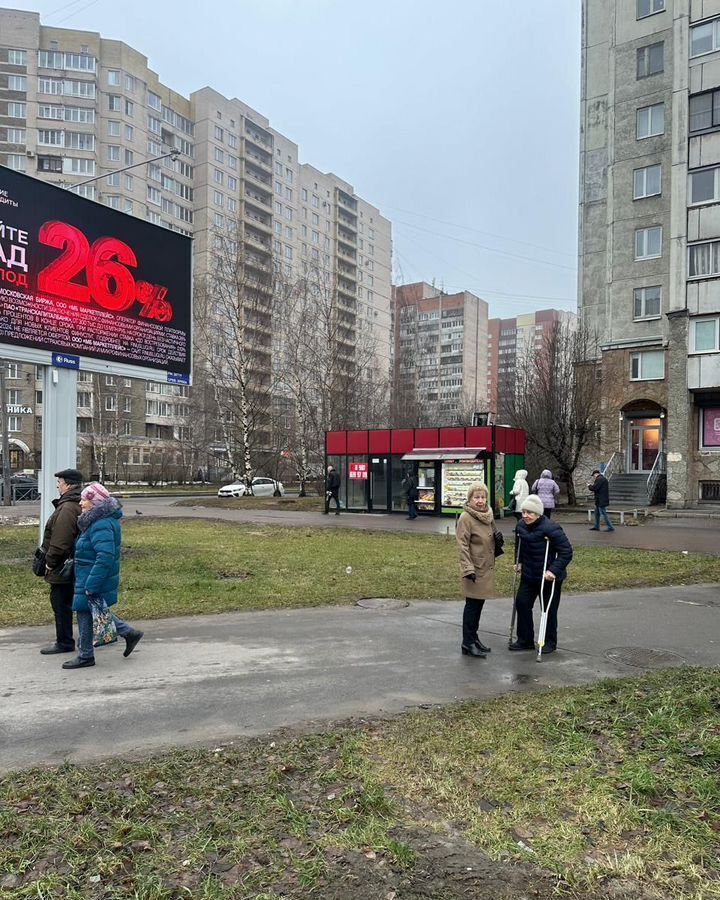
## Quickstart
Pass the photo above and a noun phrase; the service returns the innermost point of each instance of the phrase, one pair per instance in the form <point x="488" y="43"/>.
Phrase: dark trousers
<point x="526" y="596"/>
<point x="61" y="597"/>
<point x="332" y="495"/>
<point x="547" y="512"/>
<point x="412" y="508"/>
<point x="471" y="620"/>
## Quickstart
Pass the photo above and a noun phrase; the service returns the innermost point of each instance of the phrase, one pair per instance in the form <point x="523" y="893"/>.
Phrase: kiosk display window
<point x="426" y="487"/>
<point x="457" y="478"/>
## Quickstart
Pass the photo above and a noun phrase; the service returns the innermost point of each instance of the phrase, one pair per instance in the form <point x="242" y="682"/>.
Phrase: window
<point x="705" y="38"/>
<point x="129" y="108"/>
<point x="113" y="180"/>
<point x="129" y="157"/>
<point x="650" y="121"/>
<point x="114" y="103"/>
<point x="113" y="77"/>
<point x="14" y="423"/>
<point x="17" y="162"/>
<point x="113" y="153"/>
<point x="127" y="404"/>
<point x="705" y="186"/>
<point x="129" y="133"/>
<point x="647" y="182"/>
<point x="126" y="429"/>
<point x="647" y="366"/>
<point x="16" y="135"/>
<point x="704" y="111"/>
<point x="219" y="134"/>
<point x="704" y="335"/>
<point x="17" y="57"/>
<point x="218" y="176"/>
<point x="649" y="7"/>
<point x="647" y="302"/>
<point x="153" y="195"/>
<point x="648" y="242"/>
<point x="154" y="124"/>
<point x="13" y="397"/>
<point x="219" y="155"/>
<point x="154" y="101"/>
<point x="111" y="404"/>
<point x="650" y="60"/>
<point x="704" y="260"/>
<point x="217" y="198"/>
<point x="17" y="110"/>
<point x="710" y="439"/>
<point x="84" y="399"/>
<point x="232" y="183"/>
<point x="130" y="84"/>
<point x="17" y="83"/>
<point x="113" y="128"/>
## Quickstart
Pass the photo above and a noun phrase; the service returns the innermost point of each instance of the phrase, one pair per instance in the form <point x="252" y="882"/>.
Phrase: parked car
<point x="262" y="487"/>
<point x="23" y="487"/>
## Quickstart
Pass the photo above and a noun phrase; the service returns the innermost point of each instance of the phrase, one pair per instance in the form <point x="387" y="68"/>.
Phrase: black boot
<point x="482" y="647"/>
<point x="131" y="641"/>
<point x="78" y="663"/>
<point x="472" y="650"/>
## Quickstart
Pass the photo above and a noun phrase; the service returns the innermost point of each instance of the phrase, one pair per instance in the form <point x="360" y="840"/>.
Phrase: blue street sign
<point x="65" y="361"/>
<point x="176" y="378"/>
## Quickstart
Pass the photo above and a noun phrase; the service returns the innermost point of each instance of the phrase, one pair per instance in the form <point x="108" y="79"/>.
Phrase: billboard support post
<point x="58" y="433"/>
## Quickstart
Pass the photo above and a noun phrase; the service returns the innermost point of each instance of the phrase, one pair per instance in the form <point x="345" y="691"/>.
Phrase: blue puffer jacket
<point x="97" y="554"/>
<point x="532" y="548"/>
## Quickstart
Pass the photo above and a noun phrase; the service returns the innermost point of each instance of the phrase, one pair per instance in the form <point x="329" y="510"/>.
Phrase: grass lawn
<point x="607" y="791"/>
<point x="184" y="567"/>
<point x="311" y="503"/>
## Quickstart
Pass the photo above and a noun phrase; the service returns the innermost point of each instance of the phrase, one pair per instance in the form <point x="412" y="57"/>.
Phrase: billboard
<point x="82" y="282"/>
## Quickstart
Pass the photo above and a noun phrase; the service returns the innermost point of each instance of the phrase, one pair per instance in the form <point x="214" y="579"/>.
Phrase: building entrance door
<point x="644" y="444"/>
<point x="378" y="483"/>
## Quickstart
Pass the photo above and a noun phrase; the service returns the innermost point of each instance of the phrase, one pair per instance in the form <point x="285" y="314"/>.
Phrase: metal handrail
<point x="658" y="469"/>
<point x="615" y="461"/>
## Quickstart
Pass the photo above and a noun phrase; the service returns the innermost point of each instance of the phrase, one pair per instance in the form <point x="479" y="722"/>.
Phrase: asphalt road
<point x="207" y="679"/>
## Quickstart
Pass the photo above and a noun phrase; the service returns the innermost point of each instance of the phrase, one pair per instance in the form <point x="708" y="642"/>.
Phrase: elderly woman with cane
<point x="542" y="559"/>
<point x="475" y="536"/>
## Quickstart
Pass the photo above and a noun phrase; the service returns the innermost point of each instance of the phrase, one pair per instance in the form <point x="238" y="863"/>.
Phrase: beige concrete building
<point x="649" y="279"/>
<point x="74" y="105"/>
<point x="441" y="359"/>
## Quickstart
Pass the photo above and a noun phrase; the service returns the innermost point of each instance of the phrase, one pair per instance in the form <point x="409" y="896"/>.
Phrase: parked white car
<point x="262" y="487"/>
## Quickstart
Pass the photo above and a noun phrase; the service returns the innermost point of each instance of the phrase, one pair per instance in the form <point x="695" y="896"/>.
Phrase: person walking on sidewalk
<point x="475" y="536"/>
<point x="538" y="535"/>
<point x="519" y="492"/>
<point x="547" y="490"/>
<point x="411" y="493"/>
<point x="332" y="490"/>
<point x="97" y="570"/>
<point x="600" y="487"/>
<point x="58" y="541"/>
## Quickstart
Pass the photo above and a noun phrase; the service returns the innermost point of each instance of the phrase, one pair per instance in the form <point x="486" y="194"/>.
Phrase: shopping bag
<point x="104" y="631"/>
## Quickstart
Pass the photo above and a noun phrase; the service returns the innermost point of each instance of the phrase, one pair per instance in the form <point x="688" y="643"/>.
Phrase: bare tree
<point x="234" y="303"/>
<point x="557" y="400"/>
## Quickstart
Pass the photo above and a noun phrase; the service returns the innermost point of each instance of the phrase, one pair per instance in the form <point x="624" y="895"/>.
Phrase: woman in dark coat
<point x="475" y="536"/>
<point x="97" y="570"/>
<point x="538" y="535"/>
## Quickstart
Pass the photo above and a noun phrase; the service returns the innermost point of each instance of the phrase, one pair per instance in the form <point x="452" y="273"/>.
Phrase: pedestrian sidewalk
<point x="205" y="679"/>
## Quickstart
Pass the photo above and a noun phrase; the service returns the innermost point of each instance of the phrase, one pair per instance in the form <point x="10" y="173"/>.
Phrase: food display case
<point x="426" y="487"/>
<point x="457" y="478"/>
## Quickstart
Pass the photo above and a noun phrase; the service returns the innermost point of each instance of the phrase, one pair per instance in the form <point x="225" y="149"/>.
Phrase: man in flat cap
<point x="58" y="543"/>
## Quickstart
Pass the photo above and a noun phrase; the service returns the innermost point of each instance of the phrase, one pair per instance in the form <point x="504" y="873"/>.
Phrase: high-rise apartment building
<point x="510" y="342"/>
<point x="440" y="355"/>
<point x="649" y="280"/>
<point x="74" y="105"/>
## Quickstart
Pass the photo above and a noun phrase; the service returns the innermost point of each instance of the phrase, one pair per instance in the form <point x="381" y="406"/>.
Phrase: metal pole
<point x="173" y="153"/>
<point x="7" y="497"/>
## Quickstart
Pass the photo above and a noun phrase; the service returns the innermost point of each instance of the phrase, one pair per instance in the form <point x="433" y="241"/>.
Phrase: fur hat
<point x="95" y="493"/>
<point x="532" y="503"/>
<point x="70" y="476"/>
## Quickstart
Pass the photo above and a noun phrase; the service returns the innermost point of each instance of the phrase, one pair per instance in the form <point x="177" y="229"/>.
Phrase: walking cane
<point x="543" y="606"/>
<point x="514" y="596"/>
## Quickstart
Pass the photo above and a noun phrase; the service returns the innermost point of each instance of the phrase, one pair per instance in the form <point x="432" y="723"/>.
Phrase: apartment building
<point x="510" y="341"/>
<point x="649" y="279"/>
<point x="441" y="358"/>
<point x="73" y="106"/>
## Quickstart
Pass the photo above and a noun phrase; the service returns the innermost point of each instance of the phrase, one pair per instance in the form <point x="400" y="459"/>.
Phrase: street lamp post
<point x="173" y="154"/>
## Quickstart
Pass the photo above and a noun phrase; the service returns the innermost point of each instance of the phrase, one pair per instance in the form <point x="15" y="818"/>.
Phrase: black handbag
<point x="499" y="543"/>
<point x="38" y="563"/>
<point x="67" y="571"/>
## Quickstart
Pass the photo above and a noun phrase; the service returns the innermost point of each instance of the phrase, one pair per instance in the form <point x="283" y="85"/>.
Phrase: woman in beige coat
<point x="476" y="548"/>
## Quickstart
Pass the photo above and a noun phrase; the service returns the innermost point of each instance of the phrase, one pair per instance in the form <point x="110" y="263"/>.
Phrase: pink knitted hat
<point x="95" y="493"/>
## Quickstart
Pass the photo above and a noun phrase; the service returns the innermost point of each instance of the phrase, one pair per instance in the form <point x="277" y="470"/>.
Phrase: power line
<point x="480" y="231"/>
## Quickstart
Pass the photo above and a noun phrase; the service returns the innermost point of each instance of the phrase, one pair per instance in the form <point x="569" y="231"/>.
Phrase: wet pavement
<point x="207" y="679"/>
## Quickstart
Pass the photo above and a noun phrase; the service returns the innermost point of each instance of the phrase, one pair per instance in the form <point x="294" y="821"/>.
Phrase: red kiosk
<point x="373" y="463"/>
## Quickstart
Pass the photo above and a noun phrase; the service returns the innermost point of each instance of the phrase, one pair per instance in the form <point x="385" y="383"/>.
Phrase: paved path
<point x="212" y="678"/>
<point x="694" y="535"/>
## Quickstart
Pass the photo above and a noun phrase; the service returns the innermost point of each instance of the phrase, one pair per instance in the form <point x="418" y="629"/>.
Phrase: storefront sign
<point x="13" y="409"/>
<point x="711" y="426"/>
<point x="358" y="470"/>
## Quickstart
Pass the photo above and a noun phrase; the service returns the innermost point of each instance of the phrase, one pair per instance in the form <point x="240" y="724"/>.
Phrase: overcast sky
<point x="458" y="119"/>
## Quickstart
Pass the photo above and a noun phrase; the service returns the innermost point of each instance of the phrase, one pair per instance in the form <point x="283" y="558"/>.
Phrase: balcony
<point x="264" y="160"/>
<point x="346" y="200"/>
<point x="262" y="223"/>
<point x="347" y="237"/>
<point x="348" y="220"/>
<point x="264" y="200"/>
<point x="257" y="175"/>
<point x="258" y="135"/>
<point x="703" y="371"/>
<point x="346" y="252"/>
<point x="257" y="239"/>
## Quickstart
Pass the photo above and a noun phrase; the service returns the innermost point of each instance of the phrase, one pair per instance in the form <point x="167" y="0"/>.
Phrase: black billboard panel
<point x="78" y="278"/>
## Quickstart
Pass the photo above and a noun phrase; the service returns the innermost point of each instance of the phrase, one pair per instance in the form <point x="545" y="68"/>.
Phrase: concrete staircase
<point x="628" y="490"/>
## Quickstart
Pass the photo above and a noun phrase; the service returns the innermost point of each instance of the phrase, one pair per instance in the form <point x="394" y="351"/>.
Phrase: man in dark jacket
<point x="600" y="486"/>
<point x="536" y="535"/>
<point x="58" y="543"/>
<point x="332" y="490"/>
<point x="411" y="492"/>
